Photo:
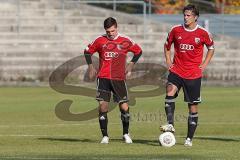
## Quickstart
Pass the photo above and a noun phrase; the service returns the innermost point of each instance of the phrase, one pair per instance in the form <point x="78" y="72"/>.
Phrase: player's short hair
<point x="192" y="8"/>
<point x="109" y="22"/>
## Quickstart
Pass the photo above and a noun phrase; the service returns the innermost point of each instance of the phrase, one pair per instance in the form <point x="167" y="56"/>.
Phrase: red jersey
<point x="112" y="55"/>
<point x="188" y="50"/>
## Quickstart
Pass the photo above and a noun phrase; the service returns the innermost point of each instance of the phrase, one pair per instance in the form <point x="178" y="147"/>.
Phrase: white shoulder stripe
<point x="204" y="29"/>
<point x="209" y="34"/>
<point x="87" y="48"/>
<point x="127" y="38"/>
<point x="178" y="25"/>
<point x="97" y="38"/>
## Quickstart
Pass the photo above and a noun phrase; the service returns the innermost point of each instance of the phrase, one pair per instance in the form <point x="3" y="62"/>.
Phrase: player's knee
<point x="123" y="106"/>
<point x="193" y="107"/>
<point x="171" y="89"/>
<point x="103" y="106"/>
<point x="125" y="116"/>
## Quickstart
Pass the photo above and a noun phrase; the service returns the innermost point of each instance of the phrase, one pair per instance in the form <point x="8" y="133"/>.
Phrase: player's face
<point x="112" y="32"/>
<point x="189" y="18"/>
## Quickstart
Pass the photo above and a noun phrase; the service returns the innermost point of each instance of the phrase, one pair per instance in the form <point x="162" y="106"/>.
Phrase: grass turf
<point x="29" y="128"/>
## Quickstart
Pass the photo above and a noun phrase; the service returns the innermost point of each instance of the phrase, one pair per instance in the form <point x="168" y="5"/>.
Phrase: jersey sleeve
<point x="92" y="47"/>
<point x="208" y="40"/>
<point x="169" y="40"/>
<point x="134" y="48"/>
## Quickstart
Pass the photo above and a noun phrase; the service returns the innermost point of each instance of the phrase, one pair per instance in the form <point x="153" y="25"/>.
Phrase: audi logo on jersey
<point x="109" y="55"/>
<point x="186" y="47"/>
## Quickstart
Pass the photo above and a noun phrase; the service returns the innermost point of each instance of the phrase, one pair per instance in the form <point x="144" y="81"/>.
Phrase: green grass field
<point x="29" y="128"/>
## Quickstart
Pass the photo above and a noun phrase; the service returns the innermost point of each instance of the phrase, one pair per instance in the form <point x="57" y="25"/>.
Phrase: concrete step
<point x="82" y="35"/>
<point x="19" y="56"/>
<point x="39" y="44"/>
<point x="28" y="28"/>
<point x="31" y="61"/>
<point x="52" y="27"/>
<point x="98" y="21"/>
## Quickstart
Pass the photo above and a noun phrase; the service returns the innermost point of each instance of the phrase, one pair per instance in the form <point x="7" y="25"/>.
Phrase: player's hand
<point x="129" y="68"/>
<point x="170" y="66"/>
<point x="92" y="71"/>
<point x="202" y="67"/>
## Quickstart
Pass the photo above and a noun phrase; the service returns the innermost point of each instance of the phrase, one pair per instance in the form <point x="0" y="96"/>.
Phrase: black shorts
<point x="117" y="87"/>
<point x="191" y="87"/>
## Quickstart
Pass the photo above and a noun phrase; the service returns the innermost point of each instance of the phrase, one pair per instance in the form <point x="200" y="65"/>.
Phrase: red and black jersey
<point x="188" y="47"/>
<point x="112" y="55"/>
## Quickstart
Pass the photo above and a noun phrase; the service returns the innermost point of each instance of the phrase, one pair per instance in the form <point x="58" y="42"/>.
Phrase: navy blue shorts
<point x="191" y="87"/>
<point x="107" y="86"/>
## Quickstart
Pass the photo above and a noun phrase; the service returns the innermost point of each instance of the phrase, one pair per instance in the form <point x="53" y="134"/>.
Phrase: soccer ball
<point x="167" y="139"/>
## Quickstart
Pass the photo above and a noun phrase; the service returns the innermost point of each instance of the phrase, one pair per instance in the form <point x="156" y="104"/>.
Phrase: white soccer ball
<point x="167" y="139"/>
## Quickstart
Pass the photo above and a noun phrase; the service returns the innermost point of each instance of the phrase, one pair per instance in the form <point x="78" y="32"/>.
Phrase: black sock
<point x="125" y="117"/>
<point x="169" y="109"/>
<point x="192" y="124"/>
<point x="103" y="121"/>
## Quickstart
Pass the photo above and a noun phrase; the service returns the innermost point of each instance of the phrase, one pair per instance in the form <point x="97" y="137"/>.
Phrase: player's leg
<point x="125" y="117"/>
<point x="172" y="88"/>
<point x="192" y="123"/>
<point x="103" y="96"/>
<point x="121" y="97"/>
<point x="192" y="96"/>
<point x="103" y="120"/>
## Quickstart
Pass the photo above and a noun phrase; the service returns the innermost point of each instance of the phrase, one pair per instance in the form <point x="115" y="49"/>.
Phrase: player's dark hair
<point x="109" y="22"/>
<point x="192" y="8"/>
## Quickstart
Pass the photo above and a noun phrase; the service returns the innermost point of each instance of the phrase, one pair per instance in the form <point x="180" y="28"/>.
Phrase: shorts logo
<point x="186" y="47"/>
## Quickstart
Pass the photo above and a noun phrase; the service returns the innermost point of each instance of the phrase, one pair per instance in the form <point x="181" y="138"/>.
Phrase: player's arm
<point x="167" y="53"/>
<point x="91" y="68"/>
<point x="132" y="62"/>
<point x="137" y="51"/>
<point x="207" y="59"/>
<point x="210" y="46"/>
<point x="88" y="52"/>
<point x="136" y="57"/>
<point x="167" y="49"/>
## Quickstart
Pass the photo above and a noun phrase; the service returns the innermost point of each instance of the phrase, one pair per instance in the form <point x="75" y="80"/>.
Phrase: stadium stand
<point x="37" y="36"/>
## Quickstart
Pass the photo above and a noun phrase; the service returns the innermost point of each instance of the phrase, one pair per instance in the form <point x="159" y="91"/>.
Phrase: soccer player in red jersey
<point x="112" y="48"/>
<point x="185" y="71"/>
